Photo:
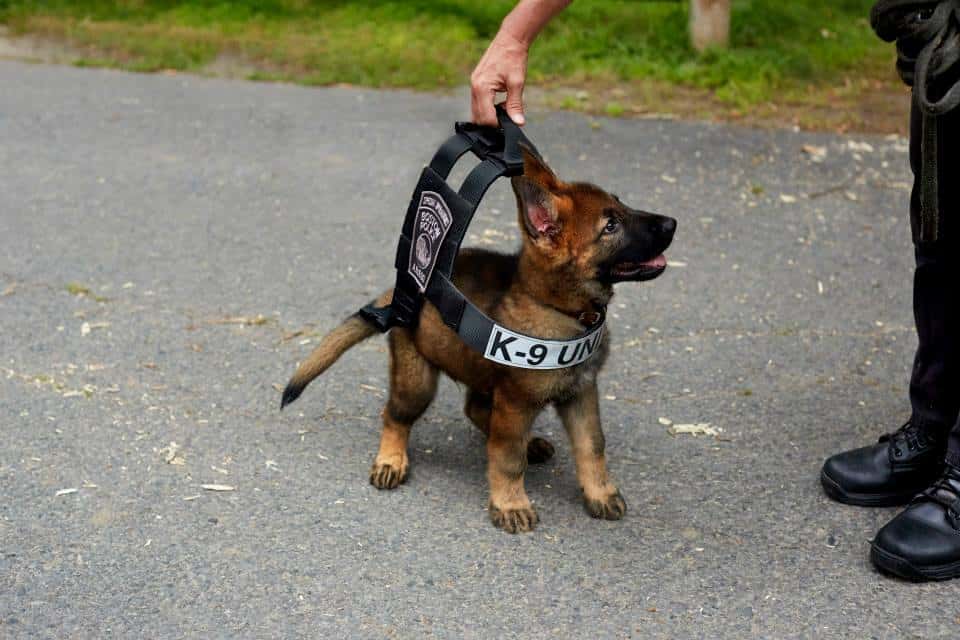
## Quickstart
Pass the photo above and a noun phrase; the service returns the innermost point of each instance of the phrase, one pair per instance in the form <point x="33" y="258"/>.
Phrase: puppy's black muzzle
<point x="646" y="237"/>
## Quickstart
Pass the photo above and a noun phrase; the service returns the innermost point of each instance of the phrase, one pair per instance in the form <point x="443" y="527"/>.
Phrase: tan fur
<point x="413" y="383"/>
<point x="333" y="345"/>
<point x="349" y="333"/>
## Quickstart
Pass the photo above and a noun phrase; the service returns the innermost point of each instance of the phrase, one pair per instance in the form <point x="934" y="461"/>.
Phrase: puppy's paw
<point x="539" y="451"/>
<point x="611" y="507"/>
<point x="388" y="475"/>
<point x="518" y="520"/>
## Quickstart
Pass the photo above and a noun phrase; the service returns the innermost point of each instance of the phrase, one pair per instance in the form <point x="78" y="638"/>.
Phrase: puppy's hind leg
<point x="539" y="450"/>
<point x="477" y="408"/>
<point x="413" y="384"/>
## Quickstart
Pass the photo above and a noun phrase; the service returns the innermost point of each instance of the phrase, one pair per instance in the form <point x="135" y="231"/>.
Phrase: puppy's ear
<point x="538" y="207"/>
<point x="537" y="170"/>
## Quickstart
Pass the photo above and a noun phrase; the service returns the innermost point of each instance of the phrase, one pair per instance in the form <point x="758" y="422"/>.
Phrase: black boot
<point x="886" y="474"/>
<point x="923" y="542"/>
<point x="892" y="472"/>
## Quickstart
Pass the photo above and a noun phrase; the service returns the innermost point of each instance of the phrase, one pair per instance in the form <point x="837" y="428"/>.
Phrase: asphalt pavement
<point x="171" y="247"/>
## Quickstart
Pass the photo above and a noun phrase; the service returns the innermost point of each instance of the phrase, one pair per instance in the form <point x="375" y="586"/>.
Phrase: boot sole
<point x="903" y="568"/>
<point x="838" y="493"/>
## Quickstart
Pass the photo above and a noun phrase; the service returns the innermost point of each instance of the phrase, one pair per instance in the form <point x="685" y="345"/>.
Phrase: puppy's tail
<point x="353" y="331"/>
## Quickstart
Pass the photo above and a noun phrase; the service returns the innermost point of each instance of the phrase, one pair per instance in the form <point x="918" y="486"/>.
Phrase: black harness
<point x="435" y="225"/>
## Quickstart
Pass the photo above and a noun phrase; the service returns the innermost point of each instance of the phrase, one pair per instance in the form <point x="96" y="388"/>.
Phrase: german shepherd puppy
<point x="578" y="241"/>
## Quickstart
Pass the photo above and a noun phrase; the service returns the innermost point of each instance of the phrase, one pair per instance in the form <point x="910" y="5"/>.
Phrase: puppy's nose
<point x="667" y="226"/>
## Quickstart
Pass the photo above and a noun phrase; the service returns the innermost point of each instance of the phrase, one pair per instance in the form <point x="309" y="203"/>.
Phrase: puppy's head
<point x="586" y="232"/>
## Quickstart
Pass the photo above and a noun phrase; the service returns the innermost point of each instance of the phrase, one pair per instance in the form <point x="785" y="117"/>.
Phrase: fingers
<point x="514" y="104"/>
<point x="481" y="105"/>
<point x="482" y="100"/>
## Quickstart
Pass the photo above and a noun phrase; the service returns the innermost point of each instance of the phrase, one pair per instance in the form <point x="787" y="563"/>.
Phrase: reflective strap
<point x="506" y="346"/>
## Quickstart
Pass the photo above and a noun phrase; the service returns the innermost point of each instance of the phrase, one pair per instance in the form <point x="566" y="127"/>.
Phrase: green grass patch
<point x="427" y="44"/>
<point x="614" y="109"/>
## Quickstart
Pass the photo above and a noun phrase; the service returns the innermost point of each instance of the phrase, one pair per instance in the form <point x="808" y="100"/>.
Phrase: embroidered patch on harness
<point x="429" y="229"/>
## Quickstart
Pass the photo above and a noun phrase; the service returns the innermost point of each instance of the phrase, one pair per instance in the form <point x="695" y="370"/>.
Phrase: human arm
<point x="504" y="65"/>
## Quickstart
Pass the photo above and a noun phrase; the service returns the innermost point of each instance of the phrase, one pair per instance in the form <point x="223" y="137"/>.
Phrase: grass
<point x="780" y="51"/>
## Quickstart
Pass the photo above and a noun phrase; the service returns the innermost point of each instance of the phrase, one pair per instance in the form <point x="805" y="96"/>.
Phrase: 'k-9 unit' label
<point x="429" y="229"/>
<point x="518" y="350"/>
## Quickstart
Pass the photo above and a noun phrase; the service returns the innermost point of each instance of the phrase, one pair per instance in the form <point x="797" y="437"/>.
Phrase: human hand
<point x="503" y="68"/>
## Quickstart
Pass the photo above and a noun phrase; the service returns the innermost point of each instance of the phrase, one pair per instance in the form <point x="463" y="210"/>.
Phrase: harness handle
<point x="501" y="144"/>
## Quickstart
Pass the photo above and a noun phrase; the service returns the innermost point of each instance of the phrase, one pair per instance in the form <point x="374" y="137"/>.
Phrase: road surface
<point x="170" y="247"/>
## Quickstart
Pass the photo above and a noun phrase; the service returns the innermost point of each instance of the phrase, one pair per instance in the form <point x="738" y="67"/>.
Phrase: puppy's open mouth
<point x="639" y="271"/>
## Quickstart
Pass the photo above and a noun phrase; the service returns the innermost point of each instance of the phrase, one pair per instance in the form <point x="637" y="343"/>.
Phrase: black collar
<point x="589" y="319"/>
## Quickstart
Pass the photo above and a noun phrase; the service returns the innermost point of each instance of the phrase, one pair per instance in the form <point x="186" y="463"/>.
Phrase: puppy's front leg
<point x="581" y="419"/>
<point x="510" y="422"/>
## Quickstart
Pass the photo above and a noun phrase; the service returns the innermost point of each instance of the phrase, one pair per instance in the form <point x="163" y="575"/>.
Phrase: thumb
<point x="514" y="102"/>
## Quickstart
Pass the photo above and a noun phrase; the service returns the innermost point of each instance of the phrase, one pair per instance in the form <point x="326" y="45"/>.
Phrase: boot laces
<point x="909" y="437"/>
<point x="946" y="493"/>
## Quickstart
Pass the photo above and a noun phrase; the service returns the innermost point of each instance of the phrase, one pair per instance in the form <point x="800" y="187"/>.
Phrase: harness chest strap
<point x="433" y="230"/>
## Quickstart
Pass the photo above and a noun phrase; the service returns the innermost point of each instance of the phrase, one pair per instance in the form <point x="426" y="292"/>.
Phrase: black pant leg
<point x="935" y="383"/>
<point x="950" y="226"/>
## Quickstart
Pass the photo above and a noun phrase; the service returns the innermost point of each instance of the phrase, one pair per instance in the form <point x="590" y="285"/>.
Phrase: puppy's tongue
<point x="657" y="263"/>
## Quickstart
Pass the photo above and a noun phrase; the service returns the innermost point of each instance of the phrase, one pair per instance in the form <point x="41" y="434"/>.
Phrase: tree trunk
<point x="709" y="23"/>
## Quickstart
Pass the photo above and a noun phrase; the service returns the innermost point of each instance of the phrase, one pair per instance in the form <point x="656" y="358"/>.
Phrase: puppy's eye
<point x="612" y="225"/>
